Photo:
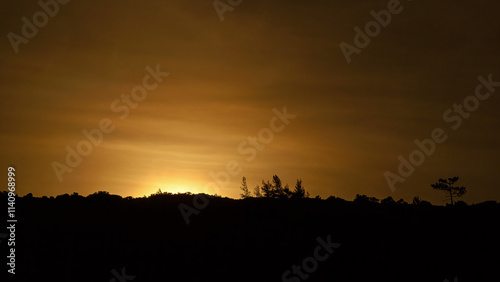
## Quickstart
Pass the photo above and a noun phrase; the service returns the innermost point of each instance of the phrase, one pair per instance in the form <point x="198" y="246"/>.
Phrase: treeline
<point x="270" y="189"/>
<point x="274" y="190"/>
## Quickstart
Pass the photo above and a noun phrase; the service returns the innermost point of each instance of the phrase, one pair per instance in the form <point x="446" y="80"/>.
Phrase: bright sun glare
<point x="173" y="188"/>
<point x="159" y="179"/>
<point x="167" y="183"/>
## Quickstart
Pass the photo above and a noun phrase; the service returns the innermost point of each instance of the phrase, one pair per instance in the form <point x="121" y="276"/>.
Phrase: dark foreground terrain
<point x="109" y="238"/>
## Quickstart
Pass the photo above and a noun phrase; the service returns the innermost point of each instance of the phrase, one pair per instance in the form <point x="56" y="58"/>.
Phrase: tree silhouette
<point x="416" y="201"/>
<point x="288" y="192"/>
<point x="401" y="202"/>
<point x="267" y="189"/>
<point x="275" y="190"/>
<point x="447" y="185"/>
<point x="365" y="199"/>
<point x="388" y="201"/>
<point x="299" y="192"/>
<point x="246" y="194"/>
<point x="419" y="202"/>
<point x="256" y="192"/>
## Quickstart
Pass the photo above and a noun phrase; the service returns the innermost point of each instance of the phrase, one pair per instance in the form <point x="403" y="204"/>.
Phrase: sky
<point x="272" y="71"/>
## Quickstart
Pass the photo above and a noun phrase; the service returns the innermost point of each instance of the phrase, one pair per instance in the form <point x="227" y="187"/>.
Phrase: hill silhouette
<point x="105" y="237"/>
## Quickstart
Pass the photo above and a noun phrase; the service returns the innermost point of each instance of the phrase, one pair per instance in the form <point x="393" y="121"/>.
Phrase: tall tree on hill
<point x="299" y="192"/>
<point x="256" y="192"/>
<point x="278" y="191"/>
<point x="246" y="194"/>
<point x="447" y="185"/>
<point x="267" y="189"/>
<point x="288" y="192"/>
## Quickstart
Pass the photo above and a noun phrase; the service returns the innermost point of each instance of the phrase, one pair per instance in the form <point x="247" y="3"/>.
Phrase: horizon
<point x="252" y="196"/>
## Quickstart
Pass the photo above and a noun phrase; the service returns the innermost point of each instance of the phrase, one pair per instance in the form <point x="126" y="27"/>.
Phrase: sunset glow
<point x="167" y="95"/>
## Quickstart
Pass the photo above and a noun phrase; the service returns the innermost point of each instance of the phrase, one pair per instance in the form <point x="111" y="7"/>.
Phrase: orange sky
<point x="226" y="77"/>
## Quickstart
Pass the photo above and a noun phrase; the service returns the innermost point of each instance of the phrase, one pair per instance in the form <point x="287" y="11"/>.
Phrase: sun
<point x="174" y="189"/>
<point x="177" y="183"/>
<point x="172" y="186"/>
